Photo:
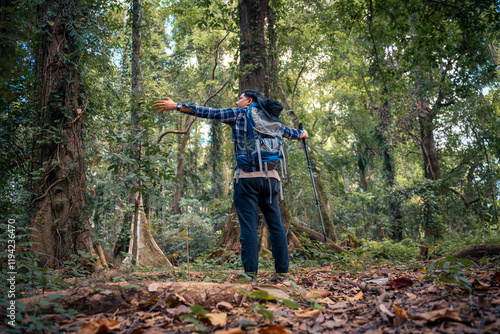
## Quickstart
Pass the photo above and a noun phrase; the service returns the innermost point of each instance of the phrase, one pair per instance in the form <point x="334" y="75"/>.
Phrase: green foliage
<point x="405" y="250"/>
<point x="451" y="270"/>
<point x="197" y="313"/>
<point x="192" y="224"/>
<point x="458" y="241"/>
<point x="338" y="75"/>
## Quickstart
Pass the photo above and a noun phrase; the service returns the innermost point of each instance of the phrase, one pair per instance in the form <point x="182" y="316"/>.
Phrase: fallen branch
<point x="478" y="251"/>
<point x="125" y="297"/>
<point x="319" y="237"/>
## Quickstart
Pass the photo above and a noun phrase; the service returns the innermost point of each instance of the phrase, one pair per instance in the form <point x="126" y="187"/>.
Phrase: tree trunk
<point x="478" y="251"/>
<point x="59" y="218"/>
<point x="144" y="250"/>
<point x="136" y="113"/>
<point x="252" y="44"/>
<point x="431" y="163"/>
<point x="428" y="143"/>
<point x="180" y="173"/>
<point x="216" y="159"/>
<point x="389" y="170"/>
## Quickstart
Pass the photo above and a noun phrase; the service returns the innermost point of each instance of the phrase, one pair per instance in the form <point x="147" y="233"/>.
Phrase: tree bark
<point x="427" y="141"/>
<point x="431" y="163"/>
<point x="59" y="218"/>
<point x="252" y="15"/>
<point x="144" y="249"/>
<point x="478" y="251"/>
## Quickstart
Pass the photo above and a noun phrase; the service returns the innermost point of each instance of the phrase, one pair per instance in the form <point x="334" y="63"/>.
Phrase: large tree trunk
<point x="60" y="222"/>
<point x="144" y="249"/>
<point x="252" y="44"/>
<point x="427" y="141"/>
<point x="431" y="163"/>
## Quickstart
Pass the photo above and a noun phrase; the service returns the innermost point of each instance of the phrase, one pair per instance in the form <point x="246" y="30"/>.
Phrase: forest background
<point x="400" y="99"/>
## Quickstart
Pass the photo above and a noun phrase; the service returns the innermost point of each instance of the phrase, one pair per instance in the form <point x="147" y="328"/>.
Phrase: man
<point x="252" y="188"/>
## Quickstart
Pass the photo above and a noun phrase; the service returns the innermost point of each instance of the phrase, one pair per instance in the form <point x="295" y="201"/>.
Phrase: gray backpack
<point x="263" y="146"/>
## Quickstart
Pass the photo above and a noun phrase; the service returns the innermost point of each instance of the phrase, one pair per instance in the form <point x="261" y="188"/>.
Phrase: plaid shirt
<point x="234" y="117"/>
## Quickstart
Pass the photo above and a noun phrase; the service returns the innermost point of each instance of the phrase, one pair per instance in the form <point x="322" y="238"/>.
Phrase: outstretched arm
<point x="169" y="104"/>
<point x="294" y="133"/>
<point x="226" y="115"/>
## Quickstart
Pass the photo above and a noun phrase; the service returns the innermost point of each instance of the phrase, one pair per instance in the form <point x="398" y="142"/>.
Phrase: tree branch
<point x="191" y="119"/>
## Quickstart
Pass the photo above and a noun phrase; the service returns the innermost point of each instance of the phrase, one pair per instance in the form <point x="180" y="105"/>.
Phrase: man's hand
<point x="304" y="135"/>
<point x="164" y="105"/>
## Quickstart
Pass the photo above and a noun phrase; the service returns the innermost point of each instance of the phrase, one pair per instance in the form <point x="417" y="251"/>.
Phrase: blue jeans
<point x="249" y="194"/>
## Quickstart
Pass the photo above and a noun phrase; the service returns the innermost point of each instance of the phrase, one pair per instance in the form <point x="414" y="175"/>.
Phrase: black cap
<point x="271" y="108"/>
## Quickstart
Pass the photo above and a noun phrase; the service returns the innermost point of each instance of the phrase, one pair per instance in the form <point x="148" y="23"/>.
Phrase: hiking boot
<point x="279" y="278"/>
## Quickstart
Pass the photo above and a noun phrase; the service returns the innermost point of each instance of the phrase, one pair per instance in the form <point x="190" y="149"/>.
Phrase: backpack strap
<point x="257" y="147"/>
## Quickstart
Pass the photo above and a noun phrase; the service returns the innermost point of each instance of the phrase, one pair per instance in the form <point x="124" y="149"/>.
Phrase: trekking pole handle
<point x="305" y="148"/>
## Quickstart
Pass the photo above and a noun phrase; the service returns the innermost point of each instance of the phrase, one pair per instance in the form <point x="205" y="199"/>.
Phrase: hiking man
<point x="253" y="186"/>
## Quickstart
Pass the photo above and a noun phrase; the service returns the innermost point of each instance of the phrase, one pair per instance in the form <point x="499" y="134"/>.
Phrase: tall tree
<point x="59" y="218"/>
<point x="142" y="246"/>
<point x="252" y="15"/>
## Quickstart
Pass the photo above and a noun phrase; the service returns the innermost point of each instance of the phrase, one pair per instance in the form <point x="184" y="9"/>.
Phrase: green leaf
<point x="197" y="309"/>
<point x="290" y="304"/>
<point x="318" y="306"/>
<point x="264" y="312"/>
<point x="261" y="295"/>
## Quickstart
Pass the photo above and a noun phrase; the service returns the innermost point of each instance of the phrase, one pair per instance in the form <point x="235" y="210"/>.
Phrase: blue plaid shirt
<point x="234" y="117"/>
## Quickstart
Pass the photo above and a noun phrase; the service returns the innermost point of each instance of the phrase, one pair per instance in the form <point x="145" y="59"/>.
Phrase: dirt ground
<point x="381" y="299"/>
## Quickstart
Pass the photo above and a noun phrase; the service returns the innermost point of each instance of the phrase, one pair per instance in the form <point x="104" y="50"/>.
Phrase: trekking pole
<point x="312" y="180"/>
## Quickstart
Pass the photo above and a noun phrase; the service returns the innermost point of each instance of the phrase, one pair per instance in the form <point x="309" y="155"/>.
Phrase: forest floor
<point x="384" y="298"/>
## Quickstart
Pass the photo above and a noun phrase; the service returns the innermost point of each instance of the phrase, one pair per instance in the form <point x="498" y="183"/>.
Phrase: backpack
<point x="263" y="145"/>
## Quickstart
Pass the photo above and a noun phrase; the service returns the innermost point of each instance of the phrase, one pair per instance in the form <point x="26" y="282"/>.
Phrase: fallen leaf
<point x="307" y="313"/>
<point x="273" y="330"/>
<point x="330" y="324"/>
<point x="274" y="292"/>
<point x="384" y="309"/>
<point x="496" y="302"/>
<point x="496" y="277"/>
<point x="97" y="326"/>
<point x="441" y="314"/>
<point x="325" y="301"/>
<point x="358" y="296"/>
<point x="399" y="283"/>
<point x="230" y="331"/>
<point x="224" y="305"/>
<point x="153" y="287"/>
<point x="217" y="319"/>
<point x="378" y="280"/>
<point x="315" y="294"/>
<point x="411" y="295"/>
<point x="400" y="311"/>
<point x="180" y="310"/>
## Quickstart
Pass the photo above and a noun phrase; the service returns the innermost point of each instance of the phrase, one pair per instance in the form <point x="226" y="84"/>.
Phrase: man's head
<point x="247" y="97"/>
<point x="272" y="108"/>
